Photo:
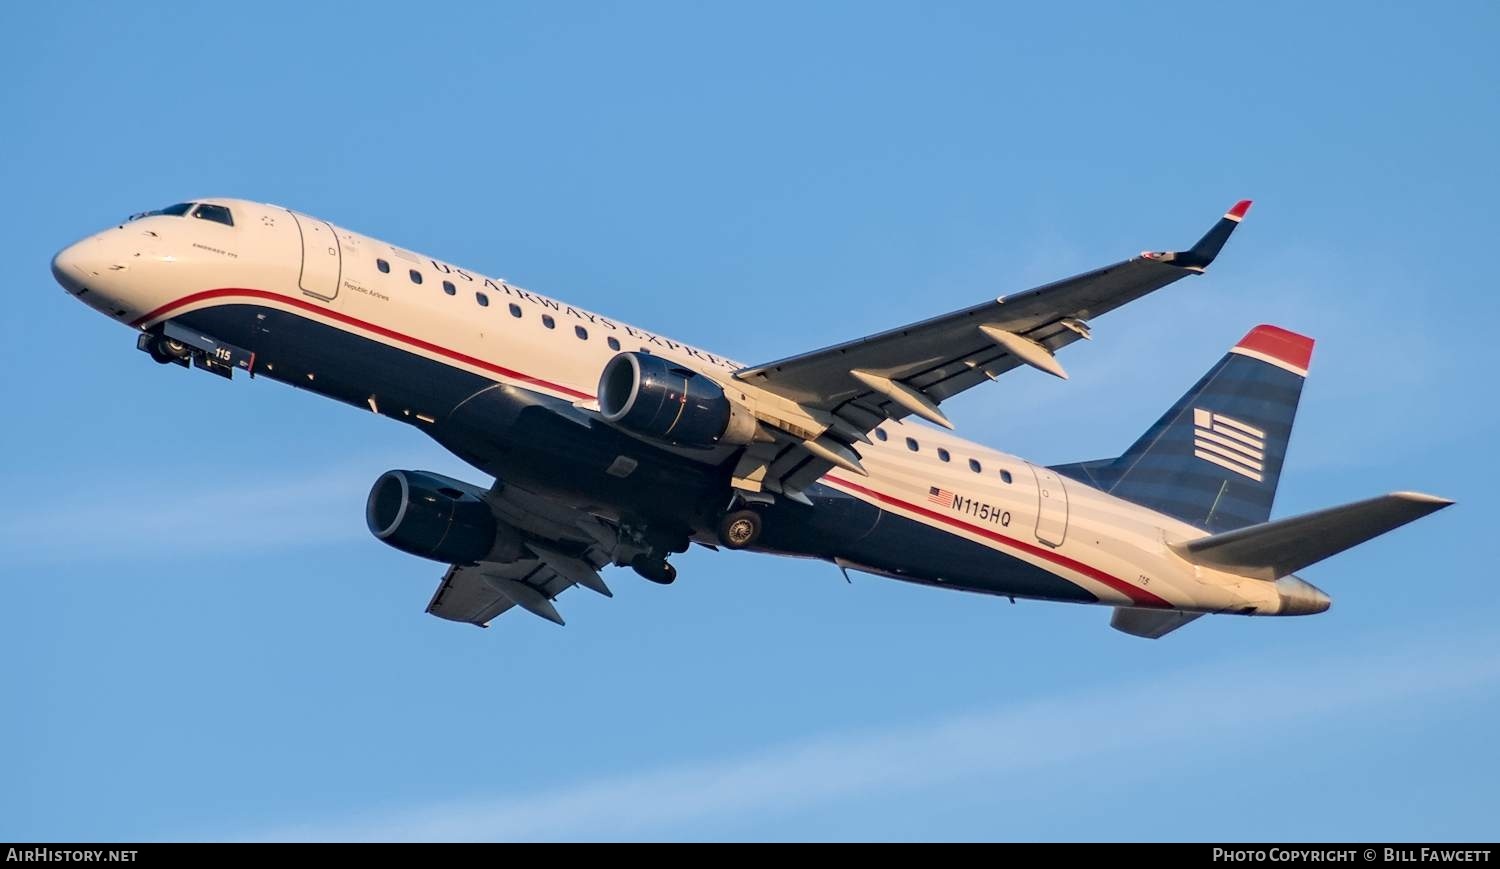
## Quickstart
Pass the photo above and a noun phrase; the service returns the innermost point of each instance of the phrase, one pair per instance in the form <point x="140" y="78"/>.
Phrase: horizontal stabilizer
<point x="1153" y="624"/>
<point x="1272" y="550"/>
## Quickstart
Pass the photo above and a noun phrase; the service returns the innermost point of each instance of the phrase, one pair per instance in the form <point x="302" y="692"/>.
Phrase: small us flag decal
<point x="940" y="497"/>
<point x="1229" y="443"/>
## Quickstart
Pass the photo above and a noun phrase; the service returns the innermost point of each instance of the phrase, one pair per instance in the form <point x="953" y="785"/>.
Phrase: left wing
<point x="911" y="370"/>
<point x="477" y="593"/>
<point x="552" y="547"/>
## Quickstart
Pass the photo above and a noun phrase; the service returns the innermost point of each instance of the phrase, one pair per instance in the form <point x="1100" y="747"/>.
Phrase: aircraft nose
<point x="76" y="264"/>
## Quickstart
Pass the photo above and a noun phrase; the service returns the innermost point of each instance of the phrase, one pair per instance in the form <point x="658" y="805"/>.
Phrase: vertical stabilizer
<point x="1215" y="457"/>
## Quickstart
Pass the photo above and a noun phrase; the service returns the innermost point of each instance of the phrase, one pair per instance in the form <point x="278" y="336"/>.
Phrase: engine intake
<point x="659" y="399"/>
<point x="431" y="516"/>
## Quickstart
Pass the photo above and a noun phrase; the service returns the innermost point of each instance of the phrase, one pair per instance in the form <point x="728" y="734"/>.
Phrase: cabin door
<point x="321" y="261"/>
<point x="1052" y="507"/>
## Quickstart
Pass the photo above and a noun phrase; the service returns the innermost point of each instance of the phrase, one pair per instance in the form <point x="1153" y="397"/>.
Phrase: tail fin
<point x="1215" y="458"/>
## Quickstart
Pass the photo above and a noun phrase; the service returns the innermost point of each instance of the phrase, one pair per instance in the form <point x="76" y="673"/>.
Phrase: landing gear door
<point x="1052" y="507"/>
<point x="321" y="259"/>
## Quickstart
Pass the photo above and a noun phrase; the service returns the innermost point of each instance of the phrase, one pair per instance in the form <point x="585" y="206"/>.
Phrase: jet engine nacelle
<point x="659" y="399"/>
<point x="431" y="516"/>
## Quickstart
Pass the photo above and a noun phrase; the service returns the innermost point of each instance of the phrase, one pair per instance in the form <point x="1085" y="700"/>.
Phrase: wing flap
<point x="464" y="596"/>
<point x="477" y="593"/>
<point x="558" y="546"/>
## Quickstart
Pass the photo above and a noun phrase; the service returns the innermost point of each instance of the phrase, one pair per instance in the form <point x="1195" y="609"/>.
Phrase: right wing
<point x="855" y="386"/>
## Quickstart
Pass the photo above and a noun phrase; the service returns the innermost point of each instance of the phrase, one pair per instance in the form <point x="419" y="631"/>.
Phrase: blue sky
<point x="198" y="638"/>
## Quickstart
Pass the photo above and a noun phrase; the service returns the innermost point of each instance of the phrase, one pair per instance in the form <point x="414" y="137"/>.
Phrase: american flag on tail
<point x="1229" y="443"/>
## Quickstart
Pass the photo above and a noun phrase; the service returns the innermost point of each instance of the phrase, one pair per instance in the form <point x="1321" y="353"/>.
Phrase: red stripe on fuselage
<point x="393" y="335"/>
<point x="1138" y="596"/>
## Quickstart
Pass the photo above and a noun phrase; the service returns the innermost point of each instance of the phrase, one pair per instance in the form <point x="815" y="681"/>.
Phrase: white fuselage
<point x="152" y="269"/>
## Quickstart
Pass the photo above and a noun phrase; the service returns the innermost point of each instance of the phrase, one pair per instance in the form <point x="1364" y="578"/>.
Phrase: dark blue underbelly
<point x="544" y="444"/>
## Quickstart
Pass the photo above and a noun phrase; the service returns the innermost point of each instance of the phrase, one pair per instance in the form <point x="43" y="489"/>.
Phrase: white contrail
<point x="1186" y="713"/>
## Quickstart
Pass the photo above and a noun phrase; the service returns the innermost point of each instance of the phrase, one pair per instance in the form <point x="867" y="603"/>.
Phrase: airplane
<point x="612" y="445"/>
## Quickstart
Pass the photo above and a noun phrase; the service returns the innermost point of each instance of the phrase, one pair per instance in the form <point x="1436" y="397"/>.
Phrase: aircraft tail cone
<point x="1301" y="598"/>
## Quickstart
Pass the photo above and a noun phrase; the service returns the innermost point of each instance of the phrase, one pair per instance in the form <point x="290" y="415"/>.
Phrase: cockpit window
<point x="177" y="210"/>
<point x="216" y="213"/>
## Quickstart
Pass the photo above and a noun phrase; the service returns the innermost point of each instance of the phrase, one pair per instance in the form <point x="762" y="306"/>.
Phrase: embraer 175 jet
<point x="611" y="445"/>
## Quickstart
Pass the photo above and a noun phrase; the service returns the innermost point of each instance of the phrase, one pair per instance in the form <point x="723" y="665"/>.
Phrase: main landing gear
<point x="739" y="528"/>
<point x="655" y="569"/>
<point x="646" y="549"/>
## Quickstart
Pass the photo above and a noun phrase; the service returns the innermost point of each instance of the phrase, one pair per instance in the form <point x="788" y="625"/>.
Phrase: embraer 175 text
<point x="613" y="445"/>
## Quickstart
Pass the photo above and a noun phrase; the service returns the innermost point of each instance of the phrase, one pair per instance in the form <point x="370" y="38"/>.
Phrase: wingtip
<point x="1201" y="255"/>
<point x="1437" y="502"/>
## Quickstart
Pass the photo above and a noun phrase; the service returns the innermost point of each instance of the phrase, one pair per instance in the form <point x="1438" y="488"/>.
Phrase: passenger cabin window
<point x="216" y="213"/>
<point x="582" y="333"/>
<point x="974" y="466"/>
<point x="548" y="321"/>
<point x="385" y="267"/>
<point x="612" y="342"/>
<point x="880" y="434"/>
<point x="911" y="444"/>
<point x="482" y="299"/>
<point x="943" y="454"/>
<point x="449" y="288"/>
<point x="416" y="276"/>
<point x="515" y="310"/>
<point x="1005" y="475"/>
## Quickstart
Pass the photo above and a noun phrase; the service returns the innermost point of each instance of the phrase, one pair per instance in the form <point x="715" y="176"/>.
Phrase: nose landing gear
<point x="166" y="351"/>
<point x="172" y="343"/>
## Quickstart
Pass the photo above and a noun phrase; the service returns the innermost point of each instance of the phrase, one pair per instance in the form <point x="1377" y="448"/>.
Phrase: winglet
<point x="1199" y="256"/>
